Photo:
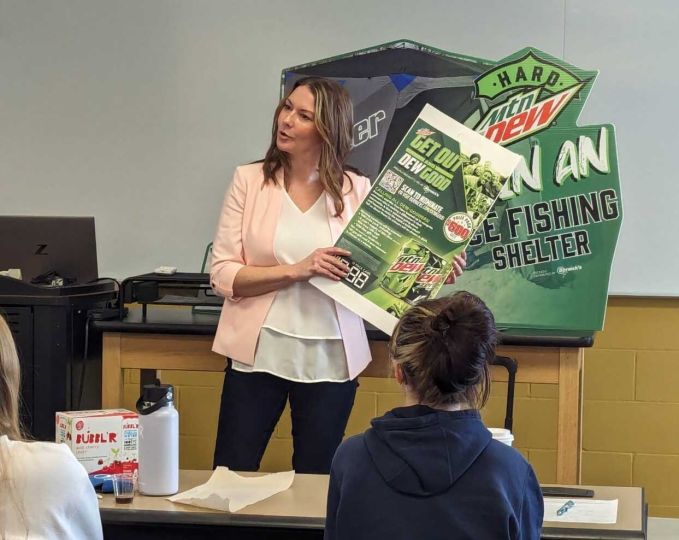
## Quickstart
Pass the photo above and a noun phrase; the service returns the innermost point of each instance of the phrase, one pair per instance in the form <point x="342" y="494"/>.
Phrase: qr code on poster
<point x="391" y="181"/>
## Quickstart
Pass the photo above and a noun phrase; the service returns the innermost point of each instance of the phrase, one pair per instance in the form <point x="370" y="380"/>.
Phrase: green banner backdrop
<point x="543" y="256"/>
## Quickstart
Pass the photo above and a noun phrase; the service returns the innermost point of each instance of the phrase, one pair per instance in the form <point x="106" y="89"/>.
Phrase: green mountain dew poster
<point x="542" y="257"/>
<point x="422" y="209"/>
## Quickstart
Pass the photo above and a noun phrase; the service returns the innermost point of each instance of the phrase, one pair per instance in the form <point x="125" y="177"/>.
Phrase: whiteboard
<point x="633" y="44"/>
<point x="137" y="112"/>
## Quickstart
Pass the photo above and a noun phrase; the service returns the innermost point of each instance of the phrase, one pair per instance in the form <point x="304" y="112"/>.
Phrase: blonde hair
<point x="10" y="379"/>
<point x="333" y="119"/>
<point x="444" y="347"/>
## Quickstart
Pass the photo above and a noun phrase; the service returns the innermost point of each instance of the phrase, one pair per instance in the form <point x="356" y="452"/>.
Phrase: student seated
<point x="431" y="469"/>
<point x="44" y="491"/>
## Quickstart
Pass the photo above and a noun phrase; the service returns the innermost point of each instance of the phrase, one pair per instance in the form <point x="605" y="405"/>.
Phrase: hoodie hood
<point x="422" y="451"/>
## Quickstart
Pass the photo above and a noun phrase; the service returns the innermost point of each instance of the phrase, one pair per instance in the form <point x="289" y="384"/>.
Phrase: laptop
<point x="38" y="245"/>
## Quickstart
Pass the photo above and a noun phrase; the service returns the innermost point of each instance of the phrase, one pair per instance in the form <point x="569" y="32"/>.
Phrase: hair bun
<point x="442" y="323"/>
<point x="444" y="346"/>
<point x="439" y="327"/>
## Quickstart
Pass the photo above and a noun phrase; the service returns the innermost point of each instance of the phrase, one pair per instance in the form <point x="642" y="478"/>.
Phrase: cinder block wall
<point x="631" y="408"/>
<point x="631" y="414"/>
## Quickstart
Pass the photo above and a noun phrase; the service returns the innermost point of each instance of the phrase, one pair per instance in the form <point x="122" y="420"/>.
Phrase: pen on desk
<point x="565" y="508"/>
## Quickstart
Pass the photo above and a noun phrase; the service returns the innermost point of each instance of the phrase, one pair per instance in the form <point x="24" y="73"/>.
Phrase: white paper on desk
<point x="583" y="510"/>
<point x="228" y="491"/>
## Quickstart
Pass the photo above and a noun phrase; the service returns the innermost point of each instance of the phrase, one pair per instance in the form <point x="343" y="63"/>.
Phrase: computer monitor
<point x="37" y="245"/>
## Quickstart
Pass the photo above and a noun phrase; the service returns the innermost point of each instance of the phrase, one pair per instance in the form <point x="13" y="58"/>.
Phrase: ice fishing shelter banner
<point x="542" y="258"/>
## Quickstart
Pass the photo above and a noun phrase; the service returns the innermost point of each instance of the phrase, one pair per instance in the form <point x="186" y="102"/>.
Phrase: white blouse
<point x="48" y="494"/>
<point x="300" y="339"/>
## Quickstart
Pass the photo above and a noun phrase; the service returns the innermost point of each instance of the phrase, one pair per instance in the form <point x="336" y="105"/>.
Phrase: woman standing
<point x="284" y="338"/>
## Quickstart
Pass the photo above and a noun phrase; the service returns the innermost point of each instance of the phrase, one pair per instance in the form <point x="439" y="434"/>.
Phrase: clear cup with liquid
<point x="123" y="487"/>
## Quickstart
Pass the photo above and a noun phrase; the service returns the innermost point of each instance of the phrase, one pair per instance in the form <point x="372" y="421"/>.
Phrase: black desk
<point x="49" y="327"/>
<point x="161" y="320"/>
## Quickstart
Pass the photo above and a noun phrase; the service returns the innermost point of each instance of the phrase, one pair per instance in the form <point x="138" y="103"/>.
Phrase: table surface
<point x="304" y="504"/>
<point x="182" y="320"/>
<point x="301" y="505"/>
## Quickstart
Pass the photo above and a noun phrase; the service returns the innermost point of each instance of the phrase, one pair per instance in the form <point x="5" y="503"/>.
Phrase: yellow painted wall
<point x="630" y="418"/>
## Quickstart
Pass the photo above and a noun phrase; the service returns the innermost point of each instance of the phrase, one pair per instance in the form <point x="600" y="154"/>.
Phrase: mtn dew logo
<point x="532" y="92"/>
<point x="543" y="255"/>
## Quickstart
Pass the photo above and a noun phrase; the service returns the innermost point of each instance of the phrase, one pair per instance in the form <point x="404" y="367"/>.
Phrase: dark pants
<point x="251" y="405"/>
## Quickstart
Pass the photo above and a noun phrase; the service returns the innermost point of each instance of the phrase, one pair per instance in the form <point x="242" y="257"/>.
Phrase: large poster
<point x="423" y="209"/>
<point x="542" y="257"/>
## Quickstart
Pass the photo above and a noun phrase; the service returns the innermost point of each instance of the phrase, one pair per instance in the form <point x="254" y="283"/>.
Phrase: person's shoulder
<point x="353" y="443"/>
<point x="248" y="177"/>
<point x="506" y="457"/>
<point x="356" y="176"/>
<point x="256" y="167"/>
<point x="48" y="468"/>
<point x="53" y="459"/>
<point x="505" y="451"/>
<point x="355" y="183"/>
<point x="54" y="486"/>
<point x="250" y="172"/>
<point x="508" y="471"/>
<point x="47" y="449"/>
<point x="350" y="449"/>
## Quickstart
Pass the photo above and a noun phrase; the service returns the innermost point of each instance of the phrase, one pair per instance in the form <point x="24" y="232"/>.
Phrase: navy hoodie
<point x="421" y="473"/>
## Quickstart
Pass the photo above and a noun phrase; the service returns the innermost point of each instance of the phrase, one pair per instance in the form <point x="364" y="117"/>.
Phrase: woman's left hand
<point x="459" y="265"/>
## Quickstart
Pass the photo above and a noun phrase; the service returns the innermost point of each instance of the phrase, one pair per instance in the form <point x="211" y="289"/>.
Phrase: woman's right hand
<point x="322" y="262"/>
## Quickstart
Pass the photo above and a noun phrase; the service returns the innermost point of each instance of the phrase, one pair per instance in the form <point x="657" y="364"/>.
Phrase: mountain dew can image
<point x="430" y="280"/>
<point x="402" y="273"/>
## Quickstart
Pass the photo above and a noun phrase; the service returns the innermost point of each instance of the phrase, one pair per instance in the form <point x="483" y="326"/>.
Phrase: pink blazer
<point x="245" y="236"/>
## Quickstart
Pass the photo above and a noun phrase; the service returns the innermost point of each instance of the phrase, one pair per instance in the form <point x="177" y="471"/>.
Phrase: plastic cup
<point x="502" y="435"/>
<point x="123" y="487"/>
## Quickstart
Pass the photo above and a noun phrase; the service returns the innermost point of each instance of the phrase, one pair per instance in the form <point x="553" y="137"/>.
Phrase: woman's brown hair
<point x="444" y="347"/>
<point x="333" y="118"/>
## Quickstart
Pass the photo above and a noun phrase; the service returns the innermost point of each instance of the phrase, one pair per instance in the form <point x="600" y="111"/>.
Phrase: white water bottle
<point x="158" y="441"/>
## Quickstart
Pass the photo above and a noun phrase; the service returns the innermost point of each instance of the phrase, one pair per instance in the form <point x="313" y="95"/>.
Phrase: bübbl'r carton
<point x="104" y="441"/>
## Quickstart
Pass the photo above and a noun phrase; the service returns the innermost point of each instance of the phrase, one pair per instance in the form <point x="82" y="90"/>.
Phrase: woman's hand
<point x="322" y="262"/>
<point x="459" y="265"/>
